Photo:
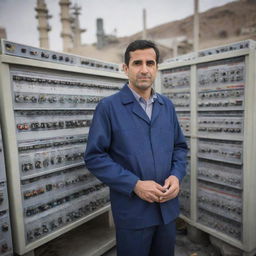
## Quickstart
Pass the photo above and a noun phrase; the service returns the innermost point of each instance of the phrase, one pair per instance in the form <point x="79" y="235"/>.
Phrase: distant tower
<point x="100" y="34"/>
<point x="3" y="33"/>
<point x="66" y="20"/>
<point x="196" y="26"/>
<point x="77" y="31"/>
<point x="43" y="26"/>
<point x="144" y="31"/>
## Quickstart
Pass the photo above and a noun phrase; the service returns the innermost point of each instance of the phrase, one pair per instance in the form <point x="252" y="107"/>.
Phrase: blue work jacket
<point x="124" y="145"/>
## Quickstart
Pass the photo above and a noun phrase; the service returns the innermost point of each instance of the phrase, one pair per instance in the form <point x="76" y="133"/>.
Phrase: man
<point x="137" y="148"/>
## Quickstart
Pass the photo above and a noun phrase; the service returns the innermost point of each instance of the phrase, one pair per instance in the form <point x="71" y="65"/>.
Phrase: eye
<point x="137" y="62"/>
<point x="151" y="63"/>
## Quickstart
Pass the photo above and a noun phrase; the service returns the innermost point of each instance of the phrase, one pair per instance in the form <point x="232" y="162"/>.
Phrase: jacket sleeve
<point x="97" y="158"/>
<point x="179" y="157"/>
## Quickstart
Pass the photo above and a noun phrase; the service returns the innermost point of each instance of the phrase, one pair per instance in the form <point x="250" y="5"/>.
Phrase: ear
<point x="125" y="69"/>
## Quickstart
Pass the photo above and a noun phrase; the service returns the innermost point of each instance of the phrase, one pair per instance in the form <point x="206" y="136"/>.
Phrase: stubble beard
<point x="143" y="85"/>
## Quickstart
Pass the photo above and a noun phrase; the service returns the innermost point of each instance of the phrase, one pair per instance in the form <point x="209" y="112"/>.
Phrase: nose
<point x="144" y="68"/>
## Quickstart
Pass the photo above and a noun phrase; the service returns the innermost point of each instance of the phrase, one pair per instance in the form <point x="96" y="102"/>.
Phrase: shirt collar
<point x="152" y="97"/>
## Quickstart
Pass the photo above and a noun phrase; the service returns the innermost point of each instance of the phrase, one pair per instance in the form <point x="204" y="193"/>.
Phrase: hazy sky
<point x="18" y="17"/>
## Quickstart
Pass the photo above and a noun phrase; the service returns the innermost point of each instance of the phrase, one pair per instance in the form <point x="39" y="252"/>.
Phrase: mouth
<point x="144" y="78"/>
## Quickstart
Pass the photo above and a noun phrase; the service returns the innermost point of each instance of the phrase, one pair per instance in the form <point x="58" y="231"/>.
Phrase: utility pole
<point x="196" y="26"/>
<point x="144" y="31"/>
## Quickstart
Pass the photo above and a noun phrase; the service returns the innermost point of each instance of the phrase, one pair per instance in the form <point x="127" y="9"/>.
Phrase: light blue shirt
<point x="147" y="105"/>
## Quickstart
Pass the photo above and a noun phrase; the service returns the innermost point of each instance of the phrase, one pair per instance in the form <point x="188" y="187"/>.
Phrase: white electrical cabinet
<point x="47" y="103"/>
<point x="214" y="93"/>
<point x="5" y="227"/>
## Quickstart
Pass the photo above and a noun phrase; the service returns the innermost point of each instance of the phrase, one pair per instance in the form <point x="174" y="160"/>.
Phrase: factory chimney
<point x="77" y="31"/>
<point x="100" y="34"/>
<point x="66" y="21"/>
<point x="43" y="26"/>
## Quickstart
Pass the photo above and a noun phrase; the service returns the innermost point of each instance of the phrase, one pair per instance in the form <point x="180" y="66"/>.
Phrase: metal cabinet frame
<point x="248" y="243"/>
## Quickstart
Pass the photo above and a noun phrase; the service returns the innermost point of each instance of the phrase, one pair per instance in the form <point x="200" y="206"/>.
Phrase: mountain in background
<point x="235" y="21"/>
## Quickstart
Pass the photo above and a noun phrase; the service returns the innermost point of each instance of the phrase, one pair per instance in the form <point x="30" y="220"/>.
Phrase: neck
<point x="146" y="93"/>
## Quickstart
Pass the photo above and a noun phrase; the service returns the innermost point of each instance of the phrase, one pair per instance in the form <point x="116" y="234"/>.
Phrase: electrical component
<point x="220" y="124"/>
<point x="184" y="121"/>
<point x="226" y="174"/>
<point x="220" y="224"/>
<point x="175" y="79"/>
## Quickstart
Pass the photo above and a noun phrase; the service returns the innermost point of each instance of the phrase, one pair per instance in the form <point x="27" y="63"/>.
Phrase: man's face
<point x="142" y="69"/>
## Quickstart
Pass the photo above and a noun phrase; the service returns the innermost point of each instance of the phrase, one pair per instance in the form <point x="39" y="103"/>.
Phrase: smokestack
<point x="77" y="31"/>
<point x="43" y="26"/>
<point x="66" y="33"/>
<point x="100" y="34"/>
<point x="3" y="33"/>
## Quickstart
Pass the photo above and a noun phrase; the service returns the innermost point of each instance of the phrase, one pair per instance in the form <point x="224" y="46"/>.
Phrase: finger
<point x="160" y="188"/>
<point x="150" y="197"/>
<point x="172" y="193"/>
<point x="169" y="191"/>
<point x="155" y="198"/>
<point x="166" y="184"/>
<point x="172" y="189"/>
<point x="147" y="198"/>
<point x="169" y="196"/>
<point x="159" y="193"/>
<point x="164" y="199"/>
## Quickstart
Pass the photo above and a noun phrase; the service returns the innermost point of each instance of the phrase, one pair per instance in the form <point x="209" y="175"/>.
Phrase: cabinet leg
<point x="110" y="219"/>
<point x="31" y="253"/>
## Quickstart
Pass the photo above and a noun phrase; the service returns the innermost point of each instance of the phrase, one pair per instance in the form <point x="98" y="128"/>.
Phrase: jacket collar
<point x="127" y="97"/>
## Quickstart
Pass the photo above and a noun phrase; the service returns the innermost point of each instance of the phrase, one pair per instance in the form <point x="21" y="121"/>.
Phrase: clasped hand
<point x="151" y="191"/>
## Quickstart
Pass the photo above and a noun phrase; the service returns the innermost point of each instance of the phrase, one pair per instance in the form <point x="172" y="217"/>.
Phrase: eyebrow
<point x="148" y="61"/>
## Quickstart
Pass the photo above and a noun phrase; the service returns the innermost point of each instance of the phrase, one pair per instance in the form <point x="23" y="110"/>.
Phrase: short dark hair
<point x="140" y="45"/>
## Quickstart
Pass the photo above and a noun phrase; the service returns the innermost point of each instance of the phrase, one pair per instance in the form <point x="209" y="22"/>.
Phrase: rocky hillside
<point x="229" y="23"/>
<point x="233" y="21"/>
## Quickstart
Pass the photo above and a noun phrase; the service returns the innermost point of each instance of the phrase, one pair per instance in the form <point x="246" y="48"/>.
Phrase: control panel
<point x="50" y="108"/>
<point x="53" y="113"/>
<point x="25" y="51"/>
<point x="213" y="93"/>
<point x="175" y="84"/>
<point x="247" y="44"/>
<point x="5" y="225"/>
<point x="220" y="129"/>
<point x="233" y="47"/>
<point x="184" y="196"/>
